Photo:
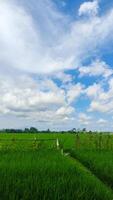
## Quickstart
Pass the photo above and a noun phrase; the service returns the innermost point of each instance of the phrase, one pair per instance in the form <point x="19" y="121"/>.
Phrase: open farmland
<point x="33" y="167"/>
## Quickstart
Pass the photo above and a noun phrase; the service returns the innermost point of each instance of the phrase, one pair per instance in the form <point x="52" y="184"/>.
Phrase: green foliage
<point x="99" y="162"/>
<point x="46" y="175"/>
<point x="32" y="168"/>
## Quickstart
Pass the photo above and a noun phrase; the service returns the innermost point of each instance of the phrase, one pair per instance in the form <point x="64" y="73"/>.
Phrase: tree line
<point x="35" y="130"/>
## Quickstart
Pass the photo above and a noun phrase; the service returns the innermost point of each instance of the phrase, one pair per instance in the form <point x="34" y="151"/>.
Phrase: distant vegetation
<point x="35" y="130"/>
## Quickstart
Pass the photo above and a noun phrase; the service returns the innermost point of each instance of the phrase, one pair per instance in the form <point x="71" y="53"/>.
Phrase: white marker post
<point x="57" y="143"/>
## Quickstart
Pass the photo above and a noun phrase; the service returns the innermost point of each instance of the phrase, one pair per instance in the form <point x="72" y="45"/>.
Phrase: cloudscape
<point x="56" y="64"/>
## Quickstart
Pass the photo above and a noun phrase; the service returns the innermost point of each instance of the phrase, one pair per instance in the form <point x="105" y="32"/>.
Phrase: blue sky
<point x="56" y="66"/>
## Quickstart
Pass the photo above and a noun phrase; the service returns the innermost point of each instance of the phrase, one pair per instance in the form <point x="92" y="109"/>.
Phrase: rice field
<point x="99" y="162"/>
<point x="33" y="167"/>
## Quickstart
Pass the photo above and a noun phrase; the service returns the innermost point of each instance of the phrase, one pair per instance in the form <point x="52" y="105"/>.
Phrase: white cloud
<point x="58" y="43"/>
<point x="102" y="121"/>
<point x="36" y="38"/>
<point x="84" y="119"/>
<point x="64" y="77"/>
<point x="97" y="68"/>
<point x="41" y="101"/>
<point x="74" y="91"/>
<point x="29" y="95"/>
<point x="25" y="46"/>
<point x="101" y="98"/>
<point x="89" y="8"/>
<point x="93" y="91"/>
<point x="63" y="111"/>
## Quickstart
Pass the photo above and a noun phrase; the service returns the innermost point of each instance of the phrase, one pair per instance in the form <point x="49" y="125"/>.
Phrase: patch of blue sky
<point x="108" y="58"/>
<point x="81" y="104"/>
<point x="85" y="80"/>
<point x="69" y="7"/>
<point x="105" y="5"/>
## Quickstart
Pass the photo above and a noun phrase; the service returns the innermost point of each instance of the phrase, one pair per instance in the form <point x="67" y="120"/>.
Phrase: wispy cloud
<point x="56" y="44"/>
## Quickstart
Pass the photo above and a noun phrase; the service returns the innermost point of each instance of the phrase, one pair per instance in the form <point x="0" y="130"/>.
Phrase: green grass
<point x="86" y="141"/>
<point x="66" y="140"/>
<point x="99" y="162"/>
<point x="47" y="175"/>
<point x="35" y="170"/>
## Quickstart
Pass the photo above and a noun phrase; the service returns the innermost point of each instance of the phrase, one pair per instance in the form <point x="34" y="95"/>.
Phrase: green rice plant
<point x="77" y="141"/>
<point x="99" y="162"/>
<point x="108" y="145"/>
<point x="47" y="175"/>
<point x="33" y="169"/>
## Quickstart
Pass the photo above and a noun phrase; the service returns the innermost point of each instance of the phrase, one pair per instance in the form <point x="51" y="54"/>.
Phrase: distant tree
<point x="18" y="131"/>
<point x="48" y="130"/>
<point x="84" y="130"/>
<point x="90" y="132"/>
<point x="74" y="130"/>
<point x="26" y="130"/>
<point x="62" y="132"/>
<point x="33" y="130"/>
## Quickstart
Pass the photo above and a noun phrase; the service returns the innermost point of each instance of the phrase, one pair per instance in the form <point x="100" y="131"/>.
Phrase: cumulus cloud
<point x="74" y="91"/>
<point x="102" y="121"/>
<point x="63" y="77"/>
<point x="94" y="90"/>
<point x="89" y="8"/>
<point x="84" y="119"/>
<point x="65" y="111"/>
<point x="32" y="100"/>
<point x="101" y="98"/>
<point x="97" y="68"/>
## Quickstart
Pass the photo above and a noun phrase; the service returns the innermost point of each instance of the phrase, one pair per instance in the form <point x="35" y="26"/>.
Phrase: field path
<point x="87" y="170"/>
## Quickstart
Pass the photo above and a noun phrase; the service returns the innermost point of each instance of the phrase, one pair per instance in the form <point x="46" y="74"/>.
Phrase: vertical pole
<point x="57" y="143"/>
